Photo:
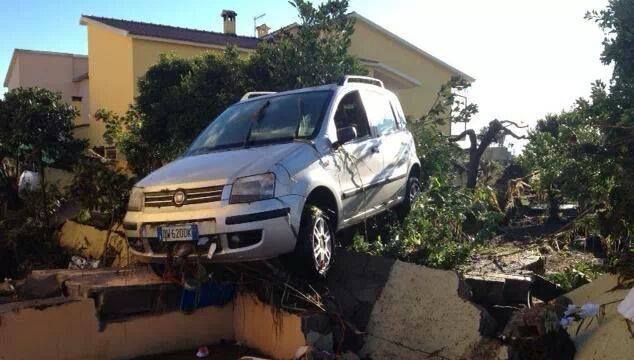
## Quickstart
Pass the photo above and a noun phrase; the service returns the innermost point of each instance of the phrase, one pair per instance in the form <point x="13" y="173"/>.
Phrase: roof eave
<point x="84" y="20"/>
<point x="411" y="46"/>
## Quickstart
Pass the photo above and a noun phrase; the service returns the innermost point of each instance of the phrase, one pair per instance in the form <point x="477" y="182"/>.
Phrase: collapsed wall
<point x="377" y="307"/>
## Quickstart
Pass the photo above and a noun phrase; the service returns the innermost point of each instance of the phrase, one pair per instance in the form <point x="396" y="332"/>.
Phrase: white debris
<point x="626" y="307"/>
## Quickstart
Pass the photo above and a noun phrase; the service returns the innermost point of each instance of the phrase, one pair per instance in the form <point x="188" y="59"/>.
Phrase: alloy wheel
<point x="322" y="244"/>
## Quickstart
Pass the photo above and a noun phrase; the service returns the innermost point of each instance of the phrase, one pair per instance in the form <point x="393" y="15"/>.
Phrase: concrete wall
<point x="90" y="242"/>
<point x="70" y="331"/>
<point x="272" y="331"/>
<point x="62" y="329"/>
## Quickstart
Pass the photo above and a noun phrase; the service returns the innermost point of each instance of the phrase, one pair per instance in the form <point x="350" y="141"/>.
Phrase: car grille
<point x="193" y="196"/>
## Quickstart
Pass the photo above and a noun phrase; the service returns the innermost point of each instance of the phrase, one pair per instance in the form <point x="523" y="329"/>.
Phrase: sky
<point x="529" y="58"/>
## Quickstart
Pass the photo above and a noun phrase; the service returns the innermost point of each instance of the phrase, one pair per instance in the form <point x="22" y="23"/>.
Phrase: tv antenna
<point x="255" y="20"/>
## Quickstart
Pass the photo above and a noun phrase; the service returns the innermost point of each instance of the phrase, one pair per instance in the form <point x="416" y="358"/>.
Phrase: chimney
<point x="263" y="30"/>
<point x="229" y="17"/>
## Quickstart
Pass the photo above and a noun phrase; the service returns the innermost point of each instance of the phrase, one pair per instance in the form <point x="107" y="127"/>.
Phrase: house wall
<point x="14" y="76"/>
<point x="51" y="71"/>
<point x="110" y="70"/>
<point x="147" y="52"/>
<point x="368" y="43"/>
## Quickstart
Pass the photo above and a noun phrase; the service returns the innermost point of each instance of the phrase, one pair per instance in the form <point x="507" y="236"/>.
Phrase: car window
<point x="350" y="112"/>
<point x="266" y="120"/>
<point x="380" y="112"/>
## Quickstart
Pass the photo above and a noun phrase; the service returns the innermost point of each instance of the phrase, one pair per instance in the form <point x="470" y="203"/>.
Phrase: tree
<point x="316" y="54"/>
<point x="177" y="100"/>
<point x="36" y="129"/>
<point x="179" y="97"/>
<point x="479" y="143"/>
<point x="101" y="188"/>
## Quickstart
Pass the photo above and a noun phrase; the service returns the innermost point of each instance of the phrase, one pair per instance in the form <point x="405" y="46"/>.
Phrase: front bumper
<point x="275" y="221"/>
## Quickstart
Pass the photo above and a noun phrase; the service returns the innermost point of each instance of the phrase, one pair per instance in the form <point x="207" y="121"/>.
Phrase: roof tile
<point x="177" y="33"/>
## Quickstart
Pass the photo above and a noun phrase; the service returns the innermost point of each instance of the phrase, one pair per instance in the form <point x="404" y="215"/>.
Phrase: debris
<point x="301" y="352"/>
<point x="608" y="338"/>
<point x="82" y="263"/>
<point x="536" y="333"/>
<point x="499" y="289"/>
<point x="6" y="288"/>
<point x="626" y="307"/>
<point x="39" y="286"/>
<point x="535" y="264"/>
<point x="202" y="352"/>
<point x="320" y="341"/>
<point x="544" y="289"/>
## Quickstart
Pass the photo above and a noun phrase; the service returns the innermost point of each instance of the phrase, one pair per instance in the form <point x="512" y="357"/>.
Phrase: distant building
<point x="499" y="154"/>
<point x="121" y="51"/>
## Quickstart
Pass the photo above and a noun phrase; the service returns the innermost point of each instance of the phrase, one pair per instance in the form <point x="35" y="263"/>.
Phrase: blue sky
<point x="529" y="58"/>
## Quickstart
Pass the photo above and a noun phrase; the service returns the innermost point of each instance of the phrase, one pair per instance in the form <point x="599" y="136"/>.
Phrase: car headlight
<point x="135" y="203"/>
<point x="253" y="188"/>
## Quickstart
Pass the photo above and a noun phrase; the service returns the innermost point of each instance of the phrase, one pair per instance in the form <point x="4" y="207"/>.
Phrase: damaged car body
<point x="280" y="174"/>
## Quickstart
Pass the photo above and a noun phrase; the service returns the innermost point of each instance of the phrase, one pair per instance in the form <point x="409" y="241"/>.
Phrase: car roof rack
<point x="360" y="79"/>
<point x="254" y="94"/>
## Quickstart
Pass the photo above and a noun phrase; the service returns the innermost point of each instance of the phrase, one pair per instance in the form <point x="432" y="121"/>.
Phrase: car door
<point x="359" y="161"/>
<point x="393" y="145"/>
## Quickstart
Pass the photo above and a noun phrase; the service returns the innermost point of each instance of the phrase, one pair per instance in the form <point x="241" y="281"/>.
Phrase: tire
<point x="315" y="249"/>
<point x="411" y="192"/>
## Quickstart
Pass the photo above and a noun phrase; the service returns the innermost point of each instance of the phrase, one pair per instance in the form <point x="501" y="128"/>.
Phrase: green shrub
<point x="28" y="237"/>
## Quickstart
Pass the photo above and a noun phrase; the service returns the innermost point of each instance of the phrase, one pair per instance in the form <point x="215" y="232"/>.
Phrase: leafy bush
<point x="28" y="237"/>
<point x="574" y="276"/>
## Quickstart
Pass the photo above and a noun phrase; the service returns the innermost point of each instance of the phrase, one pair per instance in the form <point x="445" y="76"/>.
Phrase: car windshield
<point x="263" y="121"/>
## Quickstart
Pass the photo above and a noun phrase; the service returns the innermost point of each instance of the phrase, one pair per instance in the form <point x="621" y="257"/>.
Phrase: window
<point x="264" y="121"/>
<point x="380" y="112"/>
<point x="351" y="112"/>
<point x="109" y="152"/>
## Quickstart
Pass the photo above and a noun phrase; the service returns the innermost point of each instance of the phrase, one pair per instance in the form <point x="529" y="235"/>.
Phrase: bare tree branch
<point x="504" y="122"/>
<point x="509" y="132"/>
<point x="470" y="133"/>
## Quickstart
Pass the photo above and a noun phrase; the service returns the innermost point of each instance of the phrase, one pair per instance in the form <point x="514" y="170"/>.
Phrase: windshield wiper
<point x="300" y="105"/>
<point x="258" y="115"/>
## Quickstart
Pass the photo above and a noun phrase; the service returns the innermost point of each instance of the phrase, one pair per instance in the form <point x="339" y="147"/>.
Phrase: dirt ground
<point x="521" y="245"/>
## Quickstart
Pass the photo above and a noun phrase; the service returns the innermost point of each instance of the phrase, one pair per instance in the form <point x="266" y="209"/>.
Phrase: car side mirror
<point x="345" y="134"/>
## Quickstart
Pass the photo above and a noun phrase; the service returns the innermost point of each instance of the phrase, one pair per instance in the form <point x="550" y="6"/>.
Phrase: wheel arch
<point x="415" y="171"/>
<point x="324" y="198"/>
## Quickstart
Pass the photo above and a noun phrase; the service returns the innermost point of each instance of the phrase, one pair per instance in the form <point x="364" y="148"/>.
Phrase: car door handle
<point x="375" y="149"/>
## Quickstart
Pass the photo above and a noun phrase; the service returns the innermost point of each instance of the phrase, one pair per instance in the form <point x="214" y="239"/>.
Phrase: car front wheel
<point x="315" y="249"/>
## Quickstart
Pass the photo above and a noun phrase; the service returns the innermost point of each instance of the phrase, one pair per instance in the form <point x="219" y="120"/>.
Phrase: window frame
<point x="371" y="133"/>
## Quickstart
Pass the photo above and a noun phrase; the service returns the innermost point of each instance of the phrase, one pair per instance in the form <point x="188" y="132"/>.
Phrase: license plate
<point x="187" y="232"/>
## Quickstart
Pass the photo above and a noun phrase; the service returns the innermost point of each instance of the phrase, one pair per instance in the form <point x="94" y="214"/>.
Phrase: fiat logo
<point x="179" y="198"/>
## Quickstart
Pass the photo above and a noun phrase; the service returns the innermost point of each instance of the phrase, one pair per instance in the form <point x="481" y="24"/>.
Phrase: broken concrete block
<point x="420" y="314"/>
<point x="535" y="264"/>
<point x="544" y="289"/>
<point x="40" y="285"/>
<point x="499" y="289"/>
<point x="609" y="339"/>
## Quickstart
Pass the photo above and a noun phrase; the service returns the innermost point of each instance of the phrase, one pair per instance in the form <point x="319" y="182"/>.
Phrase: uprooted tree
<point x="492" y="133"/>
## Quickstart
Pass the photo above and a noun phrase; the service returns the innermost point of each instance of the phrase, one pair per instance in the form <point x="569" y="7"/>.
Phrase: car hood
<point x="220" y="167"/>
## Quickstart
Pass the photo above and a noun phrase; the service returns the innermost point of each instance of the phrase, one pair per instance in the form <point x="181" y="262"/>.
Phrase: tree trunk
<point x="553" y="207"/>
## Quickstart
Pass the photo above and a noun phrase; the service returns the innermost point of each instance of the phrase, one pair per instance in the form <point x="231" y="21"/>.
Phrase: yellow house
<point x="121" y="51"/>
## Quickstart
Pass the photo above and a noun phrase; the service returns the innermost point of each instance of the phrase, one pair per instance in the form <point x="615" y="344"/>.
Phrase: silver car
<point x="279" y="174"/>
